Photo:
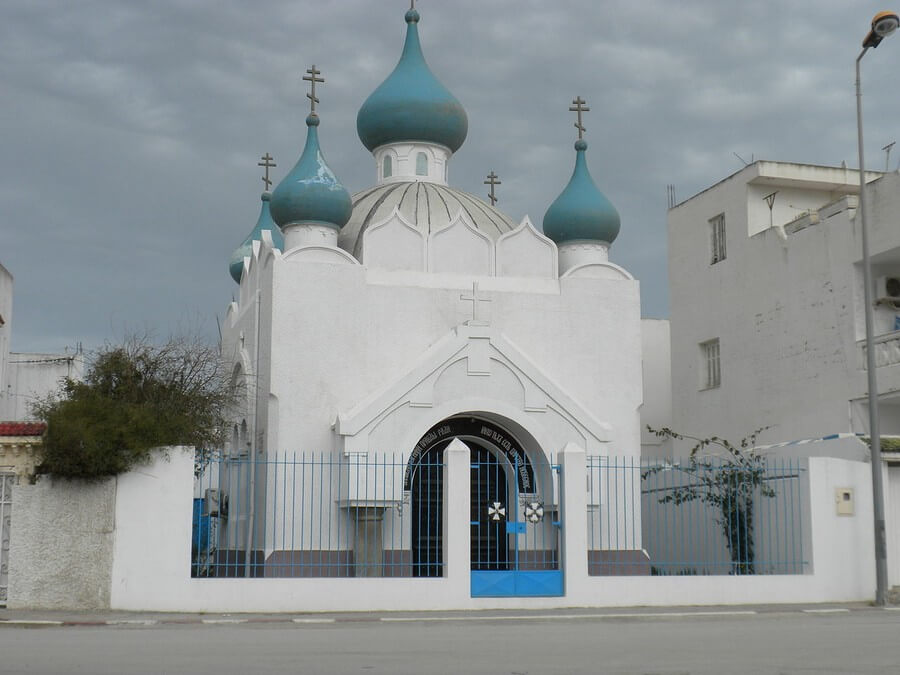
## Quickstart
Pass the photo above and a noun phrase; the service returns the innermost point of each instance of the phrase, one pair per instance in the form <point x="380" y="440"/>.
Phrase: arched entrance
<point x="510" y="540"/>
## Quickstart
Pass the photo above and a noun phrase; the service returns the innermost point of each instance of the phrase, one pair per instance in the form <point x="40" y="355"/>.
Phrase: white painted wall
<point x="366" y="358"/>
<point x="32" y="376"/>
<point x="892" y="517"/>
<point x="786" y="309"/>
<point x="61" y="544"/>
<point x="26" y="377"/>
<point x="656" y="410"/>
<point x="152" y="553"/>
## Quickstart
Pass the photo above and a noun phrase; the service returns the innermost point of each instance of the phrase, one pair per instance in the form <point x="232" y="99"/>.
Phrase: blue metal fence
<point x="318" y="515"/>
<point x="696" y="516"/>
<point x="376" y="515"/>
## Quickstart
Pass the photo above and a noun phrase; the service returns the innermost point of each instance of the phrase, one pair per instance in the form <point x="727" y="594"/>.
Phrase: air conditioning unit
<point x="887" y="289"/>
<point x="216" y="503"/>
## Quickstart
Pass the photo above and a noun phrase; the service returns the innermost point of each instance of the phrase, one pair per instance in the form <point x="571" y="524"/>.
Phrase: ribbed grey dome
<point x="428" y="205"/>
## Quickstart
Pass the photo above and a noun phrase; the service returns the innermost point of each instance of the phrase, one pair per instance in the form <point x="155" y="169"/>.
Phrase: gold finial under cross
<point x="578" y="106"/>
<point x="312" y="79"/>
<point x="267" y="163"/>
<point x="492" y="181"/>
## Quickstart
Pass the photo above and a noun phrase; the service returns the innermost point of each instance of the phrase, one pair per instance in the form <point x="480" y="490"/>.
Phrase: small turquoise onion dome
<point x="245" y="250"/>
<point x="311" y="193"/>
<point x="412" y="104"/>
<point x="581" y="212"/>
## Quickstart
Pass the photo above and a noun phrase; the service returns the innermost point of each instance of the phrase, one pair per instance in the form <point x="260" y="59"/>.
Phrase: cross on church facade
<point x="267" y="163"/>
<point x="492" y="181"/>
<point x="578" y="106"/>
<point x="312" y="79"/>
<point x="475" y="299"/>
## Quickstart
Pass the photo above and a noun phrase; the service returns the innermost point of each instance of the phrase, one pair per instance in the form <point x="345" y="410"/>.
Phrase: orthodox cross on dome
<point x="267" y="163"/>
<point x="475" y="299"/>
<point x="492" y="181"/>
<point x="412" y="4"/>
<point x="578" y="106"/>
<point x="312" y="79"/>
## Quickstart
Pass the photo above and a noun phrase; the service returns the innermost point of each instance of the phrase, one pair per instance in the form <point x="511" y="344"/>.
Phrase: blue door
<point x="515" y="530"/>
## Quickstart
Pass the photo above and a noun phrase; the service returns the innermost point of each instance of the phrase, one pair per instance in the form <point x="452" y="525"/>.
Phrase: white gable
<point x="525" y="252"/>
<point x="460" y="248"/>
<point x="394" y="244"/>
<point x="473" y="368"/>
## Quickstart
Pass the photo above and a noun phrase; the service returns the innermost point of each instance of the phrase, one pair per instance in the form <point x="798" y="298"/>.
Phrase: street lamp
<point x="883" y="25"/>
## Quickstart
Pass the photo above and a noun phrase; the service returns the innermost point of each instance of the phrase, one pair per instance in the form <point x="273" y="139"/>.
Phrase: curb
<point x="213" y="621"/>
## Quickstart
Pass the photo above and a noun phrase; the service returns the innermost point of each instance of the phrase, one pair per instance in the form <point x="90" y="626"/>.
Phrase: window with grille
<point x="717" y="239"/>
<point x="712" y="368"/>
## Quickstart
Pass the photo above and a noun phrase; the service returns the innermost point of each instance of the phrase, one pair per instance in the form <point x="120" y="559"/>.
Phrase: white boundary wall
<point x="151" y="568"/>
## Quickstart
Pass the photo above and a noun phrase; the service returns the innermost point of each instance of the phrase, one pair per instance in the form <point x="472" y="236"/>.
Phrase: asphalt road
<point x="861" y="641"/>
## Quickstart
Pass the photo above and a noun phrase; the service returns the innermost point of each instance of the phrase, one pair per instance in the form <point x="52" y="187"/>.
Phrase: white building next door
<point x="892" y="522"/>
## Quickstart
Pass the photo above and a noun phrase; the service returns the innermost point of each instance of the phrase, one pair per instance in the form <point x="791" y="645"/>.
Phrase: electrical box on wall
<point x="843" y="498"/>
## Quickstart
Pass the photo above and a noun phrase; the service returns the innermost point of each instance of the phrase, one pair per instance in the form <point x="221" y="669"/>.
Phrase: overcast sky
<point x="131" y="130"/>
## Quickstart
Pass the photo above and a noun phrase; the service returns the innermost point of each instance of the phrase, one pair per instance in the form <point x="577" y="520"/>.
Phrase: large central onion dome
<point x="581" y="212"/>
<point x="412" y="104"/>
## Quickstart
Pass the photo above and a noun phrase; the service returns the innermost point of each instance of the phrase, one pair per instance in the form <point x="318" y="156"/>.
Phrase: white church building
<point x="411" y="315"/>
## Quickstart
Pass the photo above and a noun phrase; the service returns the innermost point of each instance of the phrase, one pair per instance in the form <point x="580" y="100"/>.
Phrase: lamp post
<point x="883" y="25"/>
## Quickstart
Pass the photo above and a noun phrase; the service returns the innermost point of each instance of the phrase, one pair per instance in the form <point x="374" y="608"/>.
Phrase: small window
<point x="386" y="167"/>
<point x="717" y="239"/>
<point x="711" y="365"/>
<point x="245" y="437"/>
<point x="421" y="164"/>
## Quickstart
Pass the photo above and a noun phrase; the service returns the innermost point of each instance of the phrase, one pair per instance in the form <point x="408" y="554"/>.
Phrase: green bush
<point x="135" y="397"/>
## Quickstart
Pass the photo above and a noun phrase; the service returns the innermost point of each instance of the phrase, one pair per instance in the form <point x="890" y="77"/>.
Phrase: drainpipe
<point x="251" y="514"/>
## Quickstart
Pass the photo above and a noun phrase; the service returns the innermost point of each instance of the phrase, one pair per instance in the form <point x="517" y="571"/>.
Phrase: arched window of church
<point x="421" y="164"/>
<point x="245" y="438"/>
<point x="235" y="441"/>
<point x="386" y="167"/>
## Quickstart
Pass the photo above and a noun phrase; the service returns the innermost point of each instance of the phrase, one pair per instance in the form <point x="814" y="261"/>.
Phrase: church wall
<point x="586" y="336"/>
<point x="338" y="337"/>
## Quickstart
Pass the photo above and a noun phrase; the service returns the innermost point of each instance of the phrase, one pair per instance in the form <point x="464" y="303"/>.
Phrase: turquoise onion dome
<point x="581" y="212"/>
<point x="412" y="104"/>
<point x="245" y="250"/>
<point x="311" y="193"/>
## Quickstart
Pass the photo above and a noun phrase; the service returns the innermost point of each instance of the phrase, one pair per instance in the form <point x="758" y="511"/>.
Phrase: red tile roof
<point x="22" y="428"/>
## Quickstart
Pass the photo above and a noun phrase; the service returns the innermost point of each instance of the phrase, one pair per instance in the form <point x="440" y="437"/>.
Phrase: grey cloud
<point x="132" y="130"/>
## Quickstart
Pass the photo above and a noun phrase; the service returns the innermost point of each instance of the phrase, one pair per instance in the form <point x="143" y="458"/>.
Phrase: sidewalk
<point x="48" y="618"/>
